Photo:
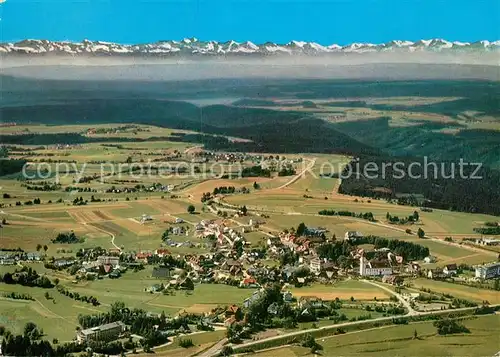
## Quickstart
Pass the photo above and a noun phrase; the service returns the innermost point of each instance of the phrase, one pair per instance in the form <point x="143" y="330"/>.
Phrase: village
<point x="302" y="255"/>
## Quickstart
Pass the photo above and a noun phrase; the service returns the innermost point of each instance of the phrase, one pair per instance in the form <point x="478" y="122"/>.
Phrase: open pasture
<point x="334" y="224"/>
<point x="453" y="254"/>
<point x="459" y="291"/>
<point x="130" y="288"/>
<point x="58" y="316"/>
<point x="438" y="223"/>
<point x="209" y="185"/>
<point x="343" y="290"/>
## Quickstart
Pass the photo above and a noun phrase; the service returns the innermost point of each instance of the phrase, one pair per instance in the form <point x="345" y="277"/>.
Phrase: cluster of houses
<point x="441" y="273"/>
<point x="487" y="241"/>
<point x="205" y="156"/>
<point x="13" y="257"/>
<point x="386" y="263"/>
<point x="64" y="146"/>
<point x="224" y="235"/>
<point x="206" y="268"/>
<point x="108" y="265"/>
<point x="134" y="189"/>
<point x="302" y="245"/>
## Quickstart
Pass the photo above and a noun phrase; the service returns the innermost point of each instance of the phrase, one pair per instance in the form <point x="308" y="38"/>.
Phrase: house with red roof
<point x="142" y="257"/>
<point x="249" y="283"/>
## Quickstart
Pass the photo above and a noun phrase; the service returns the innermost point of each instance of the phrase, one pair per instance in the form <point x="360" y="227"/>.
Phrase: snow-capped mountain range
<point x="193" y="46"/>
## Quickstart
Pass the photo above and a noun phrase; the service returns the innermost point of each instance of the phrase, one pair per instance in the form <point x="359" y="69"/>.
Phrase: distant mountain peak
<point x="193" y="46"/>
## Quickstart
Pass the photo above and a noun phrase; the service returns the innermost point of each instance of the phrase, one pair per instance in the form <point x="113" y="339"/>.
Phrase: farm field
<point x="335" y="225"/>
<point x="343" y="290"/>
<point x="460" y="291"/>
<point x="438" y="223"/>
<point x="452" y="254"/>
<point x="398" y="341"/>
<point x="96" y="222"/>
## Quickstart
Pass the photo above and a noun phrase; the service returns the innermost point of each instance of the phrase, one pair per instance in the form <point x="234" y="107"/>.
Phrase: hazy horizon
<point x="483" y="66"/>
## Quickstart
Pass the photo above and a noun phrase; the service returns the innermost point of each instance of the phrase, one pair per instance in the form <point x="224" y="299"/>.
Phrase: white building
<point x="488" y="271"/>
<point x="489" y="241"/>
<point x="108" y="260"/>
<point x="367" y="268"/>
<point x="450" y="269"/>
<point x="107" y="332"/>
<point x="430" y="259"/>
<point x="315" y="265"/>
<point x="352" y="235"/>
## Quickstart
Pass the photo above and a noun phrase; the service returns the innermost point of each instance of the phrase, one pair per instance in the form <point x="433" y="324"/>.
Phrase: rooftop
<point x="104" y="327"/>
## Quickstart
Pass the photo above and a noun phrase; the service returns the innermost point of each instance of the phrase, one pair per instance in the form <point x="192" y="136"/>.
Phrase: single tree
<point x="45" y="248"/>
<point x="301" y="229"/>
<point x="421" y="233"/>
<point x="38" y="247"/>
<point x="191" y="209"/>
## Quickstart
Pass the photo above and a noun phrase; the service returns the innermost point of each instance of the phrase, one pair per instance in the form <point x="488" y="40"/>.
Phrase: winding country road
<point x="406" y="304"/>
<point x="105" y="231"/>
<point x="299" y="175"/>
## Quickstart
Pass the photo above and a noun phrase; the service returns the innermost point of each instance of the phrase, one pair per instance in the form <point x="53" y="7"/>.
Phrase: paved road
<point x="215" y="349"/>
<point x="333" y="327"/>
<point x="192" y="148"/>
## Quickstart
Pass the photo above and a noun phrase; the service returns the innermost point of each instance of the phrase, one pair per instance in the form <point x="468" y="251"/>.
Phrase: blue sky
<point x="323" y="21"/>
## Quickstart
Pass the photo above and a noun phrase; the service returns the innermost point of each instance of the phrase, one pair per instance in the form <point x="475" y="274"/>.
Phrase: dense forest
<point x="11" y="166"/>
<point x="481" y="94"/>
<point x="269" y="130"/>
<point x="457" y="194"/>
<point x="426" y="138"/>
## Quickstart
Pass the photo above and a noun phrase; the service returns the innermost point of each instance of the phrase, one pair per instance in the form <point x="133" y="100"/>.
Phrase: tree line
<point x="76" y="296"/>
<point x="488" y="230"/>
<point x="330" y="212"/>
<point x="414" y="217"/>
<point x="340" y="251"/>
<point x="408" y="250"/>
